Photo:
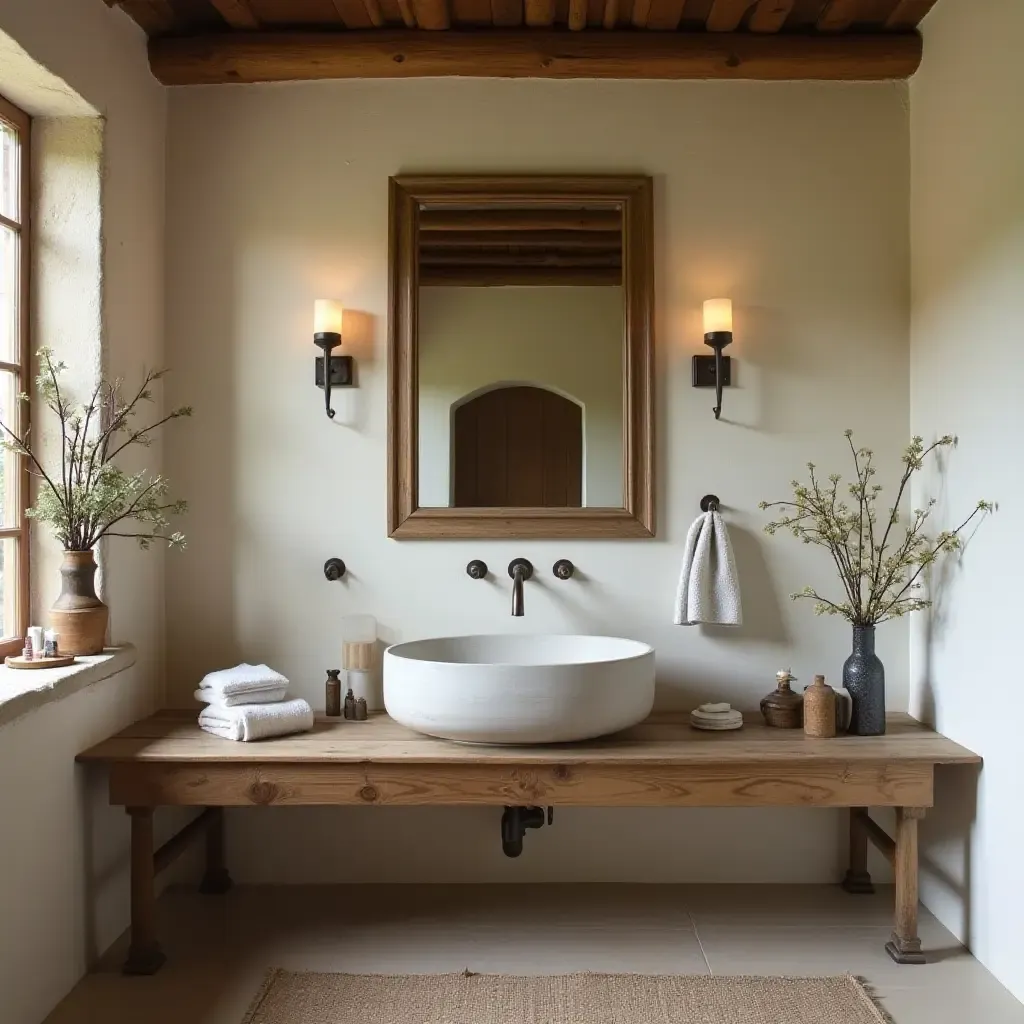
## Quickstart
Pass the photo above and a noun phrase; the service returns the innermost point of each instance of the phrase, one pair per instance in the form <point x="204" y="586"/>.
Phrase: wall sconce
<point x="331" y="371"/>
<point x="715" y="371"/>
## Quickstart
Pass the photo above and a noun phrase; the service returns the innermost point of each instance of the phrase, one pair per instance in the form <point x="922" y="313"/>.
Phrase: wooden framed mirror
<point x="520" y="360"/>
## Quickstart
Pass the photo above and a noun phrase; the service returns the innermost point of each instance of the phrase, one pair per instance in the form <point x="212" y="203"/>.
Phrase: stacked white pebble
<point x="716" y="717"/>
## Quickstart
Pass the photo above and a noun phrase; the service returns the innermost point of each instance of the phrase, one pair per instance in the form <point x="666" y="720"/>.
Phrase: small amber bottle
<point x="333" y="693"/>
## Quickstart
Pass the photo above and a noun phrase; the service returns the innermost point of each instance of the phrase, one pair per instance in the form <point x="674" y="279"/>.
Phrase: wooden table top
<point x="663" y="739"/>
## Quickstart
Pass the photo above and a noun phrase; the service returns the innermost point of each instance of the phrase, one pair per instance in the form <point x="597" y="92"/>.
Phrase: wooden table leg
<point x="858" y="880"/>
<point x="905" y="945"/>
<point x="144" y="954"/>
<point x="216" y="879"/>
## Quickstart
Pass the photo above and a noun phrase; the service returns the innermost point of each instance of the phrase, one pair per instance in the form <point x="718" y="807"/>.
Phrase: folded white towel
<point x="262" y="695"/>
<point x="231" y="682"/>
<point x="709" y="588"/>
<point x="256" y="721"/>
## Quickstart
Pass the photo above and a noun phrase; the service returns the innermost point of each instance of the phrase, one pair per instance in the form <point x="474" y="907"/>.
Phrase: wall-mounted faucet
<point x="520" y="570"/>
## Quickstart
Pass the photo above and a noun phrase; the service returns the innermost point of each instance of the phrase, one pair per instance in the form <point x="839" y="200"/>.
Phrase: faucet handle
<point x="563" y="569"/>
<point x="334" y="569"/>
<point x="476" y="569"/>
<point x="525" y="568"/>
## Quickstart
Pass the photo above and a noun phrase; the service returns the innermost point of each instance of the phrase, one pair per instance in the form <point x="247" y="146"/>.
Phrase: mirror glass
<point x="520" y="356"/>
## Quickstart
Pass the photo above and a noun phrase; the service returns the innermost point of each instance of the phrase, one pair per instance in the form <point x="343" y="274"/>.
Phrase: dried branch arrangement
<point x="88" y="497"/>
<point x="879" y="559"/>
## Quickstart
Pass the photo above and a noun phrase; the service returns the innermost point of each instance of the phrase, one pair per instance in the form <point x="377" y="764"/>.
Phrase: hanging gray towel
<point x="709" y="588"/>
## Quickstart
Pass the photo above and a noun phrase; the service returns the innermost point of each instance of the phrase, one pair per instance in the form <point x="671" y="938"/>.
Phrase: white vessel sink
<point x="519" y="689"/>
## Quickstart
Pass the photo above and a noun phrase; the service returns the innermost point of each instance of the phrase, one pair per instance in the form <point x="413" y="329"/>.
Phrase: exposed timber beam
<point x="237" y="13"/>
<point x="307" y="56"/>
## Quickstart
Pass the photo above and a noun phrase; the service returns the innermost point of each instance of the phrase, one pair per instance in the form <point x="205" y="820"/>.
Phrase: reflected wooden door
<point x="518" y="447"/>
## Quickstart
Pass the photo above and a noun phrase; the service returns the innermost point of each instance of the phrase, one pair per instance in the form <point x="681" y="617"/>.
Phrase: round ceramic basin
<point x="519" y="689"/>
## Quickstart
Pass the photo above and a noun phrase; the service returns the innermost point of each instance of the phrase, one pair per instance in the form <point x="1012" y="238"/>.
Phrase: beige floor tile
<point x="734" y="949"/>
<point x="984" y="1003"/>
<point x="775" y="905"/>
<point x="219" y="947"/>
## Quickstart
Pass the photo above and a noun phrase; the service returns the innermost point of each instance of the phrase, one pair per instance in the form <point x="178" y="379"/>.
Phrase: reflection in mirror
<point x="521" y="356"/>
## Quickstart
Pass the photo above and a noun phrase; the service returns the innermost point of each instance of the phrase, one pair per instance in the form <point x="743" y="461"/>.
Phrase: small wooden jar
<point x="820" y="709"/>
<point x="782" y="708"/>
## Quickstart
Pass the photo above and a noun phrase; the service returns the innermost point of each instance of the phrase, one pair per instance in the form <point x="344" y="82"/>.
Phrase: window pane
<point x="8" y="460"/>
<point x="10" y="277"/>
<point x="9" y="586"/>
<point x="10" y="158"/>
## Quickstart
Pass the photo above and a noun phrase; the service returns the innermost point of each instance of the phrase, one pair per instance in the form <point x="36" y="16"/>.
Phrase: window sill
<point x="24" y="690"/>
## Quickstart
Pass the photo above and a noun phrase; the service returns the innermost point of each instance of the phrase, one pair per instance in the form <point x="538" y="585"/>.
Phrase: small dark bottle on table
<point x="333" y="693"/>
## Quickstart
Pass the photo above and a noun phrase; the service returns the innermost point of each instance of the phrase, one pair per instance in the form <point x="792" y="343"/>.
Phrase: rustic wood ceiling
<point x="484" y="247"/>
<point x="207" y="41"/>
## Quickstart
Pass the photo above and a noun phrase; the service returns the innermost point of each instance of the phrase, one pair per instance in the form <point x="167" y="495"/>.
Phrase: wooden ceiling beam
<point x="586" y="240"/>
<point x="309" y="56"/>
<point x="838" y="16"/>
<point x="665" y="15"/>
<point x="577" y="15"/>
<point x="726" y="15"/>
<point x="540" y="13"/>
<point x="434" y="221"/>
<point x="770" y="15"/>
<point x="507" y="13"/>
<point x="237" y="13"/>
<point x="492" y="277"/>
<point x="374" y="13"/>
<point x="908" y="14"/>
<point x="540" y="258"/>
<point x="432" y="14"/>
<point x="641" y="12"/>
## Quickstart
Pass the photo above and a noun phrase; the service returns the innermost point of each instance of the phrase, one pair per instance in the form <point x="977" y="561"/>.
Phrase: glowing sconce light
<point x="715" y="371"/>
<point x="331" y="370"/>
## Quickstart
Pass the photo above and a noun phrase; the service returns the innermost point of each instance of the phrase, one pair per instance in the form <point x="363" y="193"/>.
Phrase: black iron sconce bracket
<point x="714" y="371"/>
<point x="341" y="369"/>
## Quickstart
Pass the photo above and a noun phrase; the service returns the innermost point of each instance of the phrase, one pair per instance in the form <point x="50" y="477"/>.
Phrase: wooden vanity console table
<point x="166" y="760"/>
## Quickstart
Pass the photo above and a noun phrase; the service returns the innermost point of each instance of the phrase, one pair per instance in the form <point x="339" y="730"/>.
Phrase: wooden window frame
<point x="633" y="195"/>
<point x="22" y="123"/>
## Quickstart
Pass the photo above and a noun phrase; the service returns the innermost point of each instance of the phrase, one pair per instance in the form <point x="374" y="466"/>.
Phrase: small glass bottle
<point x="333" y="693"/>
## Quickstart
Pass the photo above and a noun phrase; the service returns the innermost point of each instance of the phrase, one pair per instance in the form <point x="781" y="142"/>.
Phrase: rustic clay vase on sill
<point x="78" y="615"/>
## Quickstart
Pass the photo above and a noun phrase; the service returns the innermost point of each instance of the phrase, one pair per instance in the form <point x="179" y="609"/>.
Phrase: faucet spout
<point x="520" y="570"/>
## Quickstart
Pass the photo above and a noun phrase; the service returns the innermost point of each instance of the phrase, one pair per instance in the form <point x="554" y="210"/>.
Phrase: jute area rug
<point x="290" y="998"/>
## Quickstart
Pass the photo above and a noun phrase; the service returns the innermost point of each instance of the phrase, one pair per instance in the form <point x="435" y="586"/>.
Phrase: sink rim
<point x="642" y="650"/>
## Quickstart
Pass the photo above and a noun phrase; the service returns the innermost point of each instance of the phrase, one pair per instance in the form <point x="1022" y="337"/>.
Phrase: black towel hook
<point x="709" y="503"/>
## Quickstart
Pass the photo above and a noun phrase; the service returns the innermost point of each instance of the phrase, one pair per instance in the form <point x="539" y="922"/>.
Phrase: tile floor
<point x="219" y="947"/>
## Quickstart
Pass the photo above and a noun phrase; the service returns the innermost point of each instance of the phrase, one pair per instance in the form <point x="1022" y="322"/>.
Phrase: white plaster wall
<point x="64" y="857"/>
<point x="792" y="198"/>
<point x="967" y="377"/>
<point x="67" y="294"/>
<point x="569" y="340"/>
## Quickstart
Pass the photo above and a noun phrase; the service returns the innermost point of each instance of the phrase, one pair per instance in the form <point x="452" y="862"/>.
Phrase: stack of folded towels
<point x="247" y="703"/>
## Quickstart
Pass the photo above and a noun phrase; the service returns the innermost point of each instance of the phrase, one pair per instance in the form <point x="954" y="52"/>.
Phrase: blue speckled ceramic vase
<point x="864" y="678"/>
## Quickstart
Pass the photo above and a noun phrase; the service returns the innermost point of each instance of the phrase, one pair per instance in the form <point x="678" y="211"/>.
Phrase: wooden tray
<point x="17" y="661"/>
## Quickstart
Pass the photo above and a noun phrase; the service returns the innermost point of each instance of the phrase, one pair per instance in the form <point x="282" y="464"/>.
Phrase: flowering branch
<point x="93" y="495"/>
<point x="879" y="579"/>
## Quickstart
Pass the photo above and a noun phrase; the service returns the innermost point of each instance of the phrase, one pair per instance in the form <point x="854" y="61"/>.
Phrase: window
<point x="14" y="371"/>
